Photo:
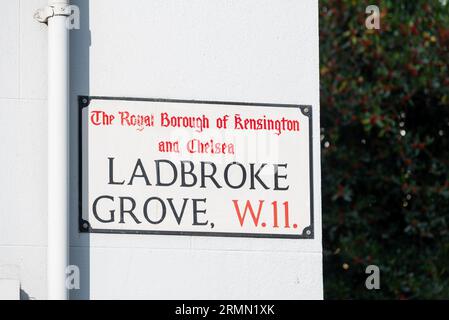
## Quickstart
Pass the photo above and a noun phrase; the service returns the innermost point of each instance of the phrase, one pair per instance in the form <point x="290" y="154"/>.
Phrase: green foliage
<point x="385" y="138"/>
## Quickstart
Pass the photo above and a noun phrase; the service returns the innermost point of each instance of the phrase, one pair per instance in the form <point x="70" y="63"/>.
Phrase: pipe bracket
<point x="42" y="15"/>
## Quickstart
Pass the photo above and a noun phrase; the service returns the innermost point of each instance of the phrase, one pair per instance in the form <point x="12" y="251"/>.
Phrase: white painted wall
<point x="231" y="50"/>
<point x="23" y="142"/>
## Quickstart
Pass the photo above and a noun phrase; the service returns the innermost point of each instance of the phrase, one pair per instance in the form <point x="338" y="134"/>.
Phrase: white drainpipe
<point x="58" y="145"/>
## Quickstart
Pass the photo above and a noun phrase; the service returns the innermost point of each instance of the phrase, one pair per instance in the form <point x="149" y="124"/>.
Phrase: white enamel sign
<point x="155" y="166"/>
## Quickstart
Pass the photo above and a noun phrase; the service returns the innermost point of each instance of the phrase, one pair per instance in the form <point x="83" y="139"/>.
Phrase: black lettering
<point x="255" y="176"/>
<point x="94" y="209"/>
<point x="143" y="174"/>
<point x="172" y="206"/>
<point x="210" y="176"/>
<point x="277" y="177"/>
<point x="196" y="211"/>
<point x="111" y="172"/>
<point x="226" y="175"/>
<point x="145" y="210"/>
<point x="130" y="211"/>
<point x="158" y="173"/>
<point x="190" y="173"/>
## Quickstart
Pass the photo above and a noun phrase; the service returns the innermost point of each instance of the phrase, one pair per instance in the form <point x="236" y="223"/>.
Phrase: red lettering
<point x="249" y="207"/>
<point x="95" y="117"/>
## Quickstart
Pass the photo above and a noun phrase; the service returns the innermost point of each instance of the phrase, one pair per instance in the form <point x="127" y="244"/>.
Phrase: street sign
<point x="202" y="168"/>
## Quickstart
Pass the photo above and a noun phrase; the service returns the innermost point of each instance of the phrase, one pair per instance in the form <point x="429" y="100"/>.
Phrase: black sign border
<point x="84" y="226"/>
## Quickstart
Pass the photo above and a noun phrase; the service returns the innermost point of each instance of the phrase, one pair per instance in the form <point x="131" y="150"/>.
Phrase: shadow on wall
<point x="80" y="41"/>
<point x="24" y="295"/>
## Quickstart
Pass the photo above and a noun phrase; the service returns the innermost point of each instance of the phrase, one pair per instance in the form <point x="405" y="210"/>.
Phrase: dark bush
<point x="385" y="139"/>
